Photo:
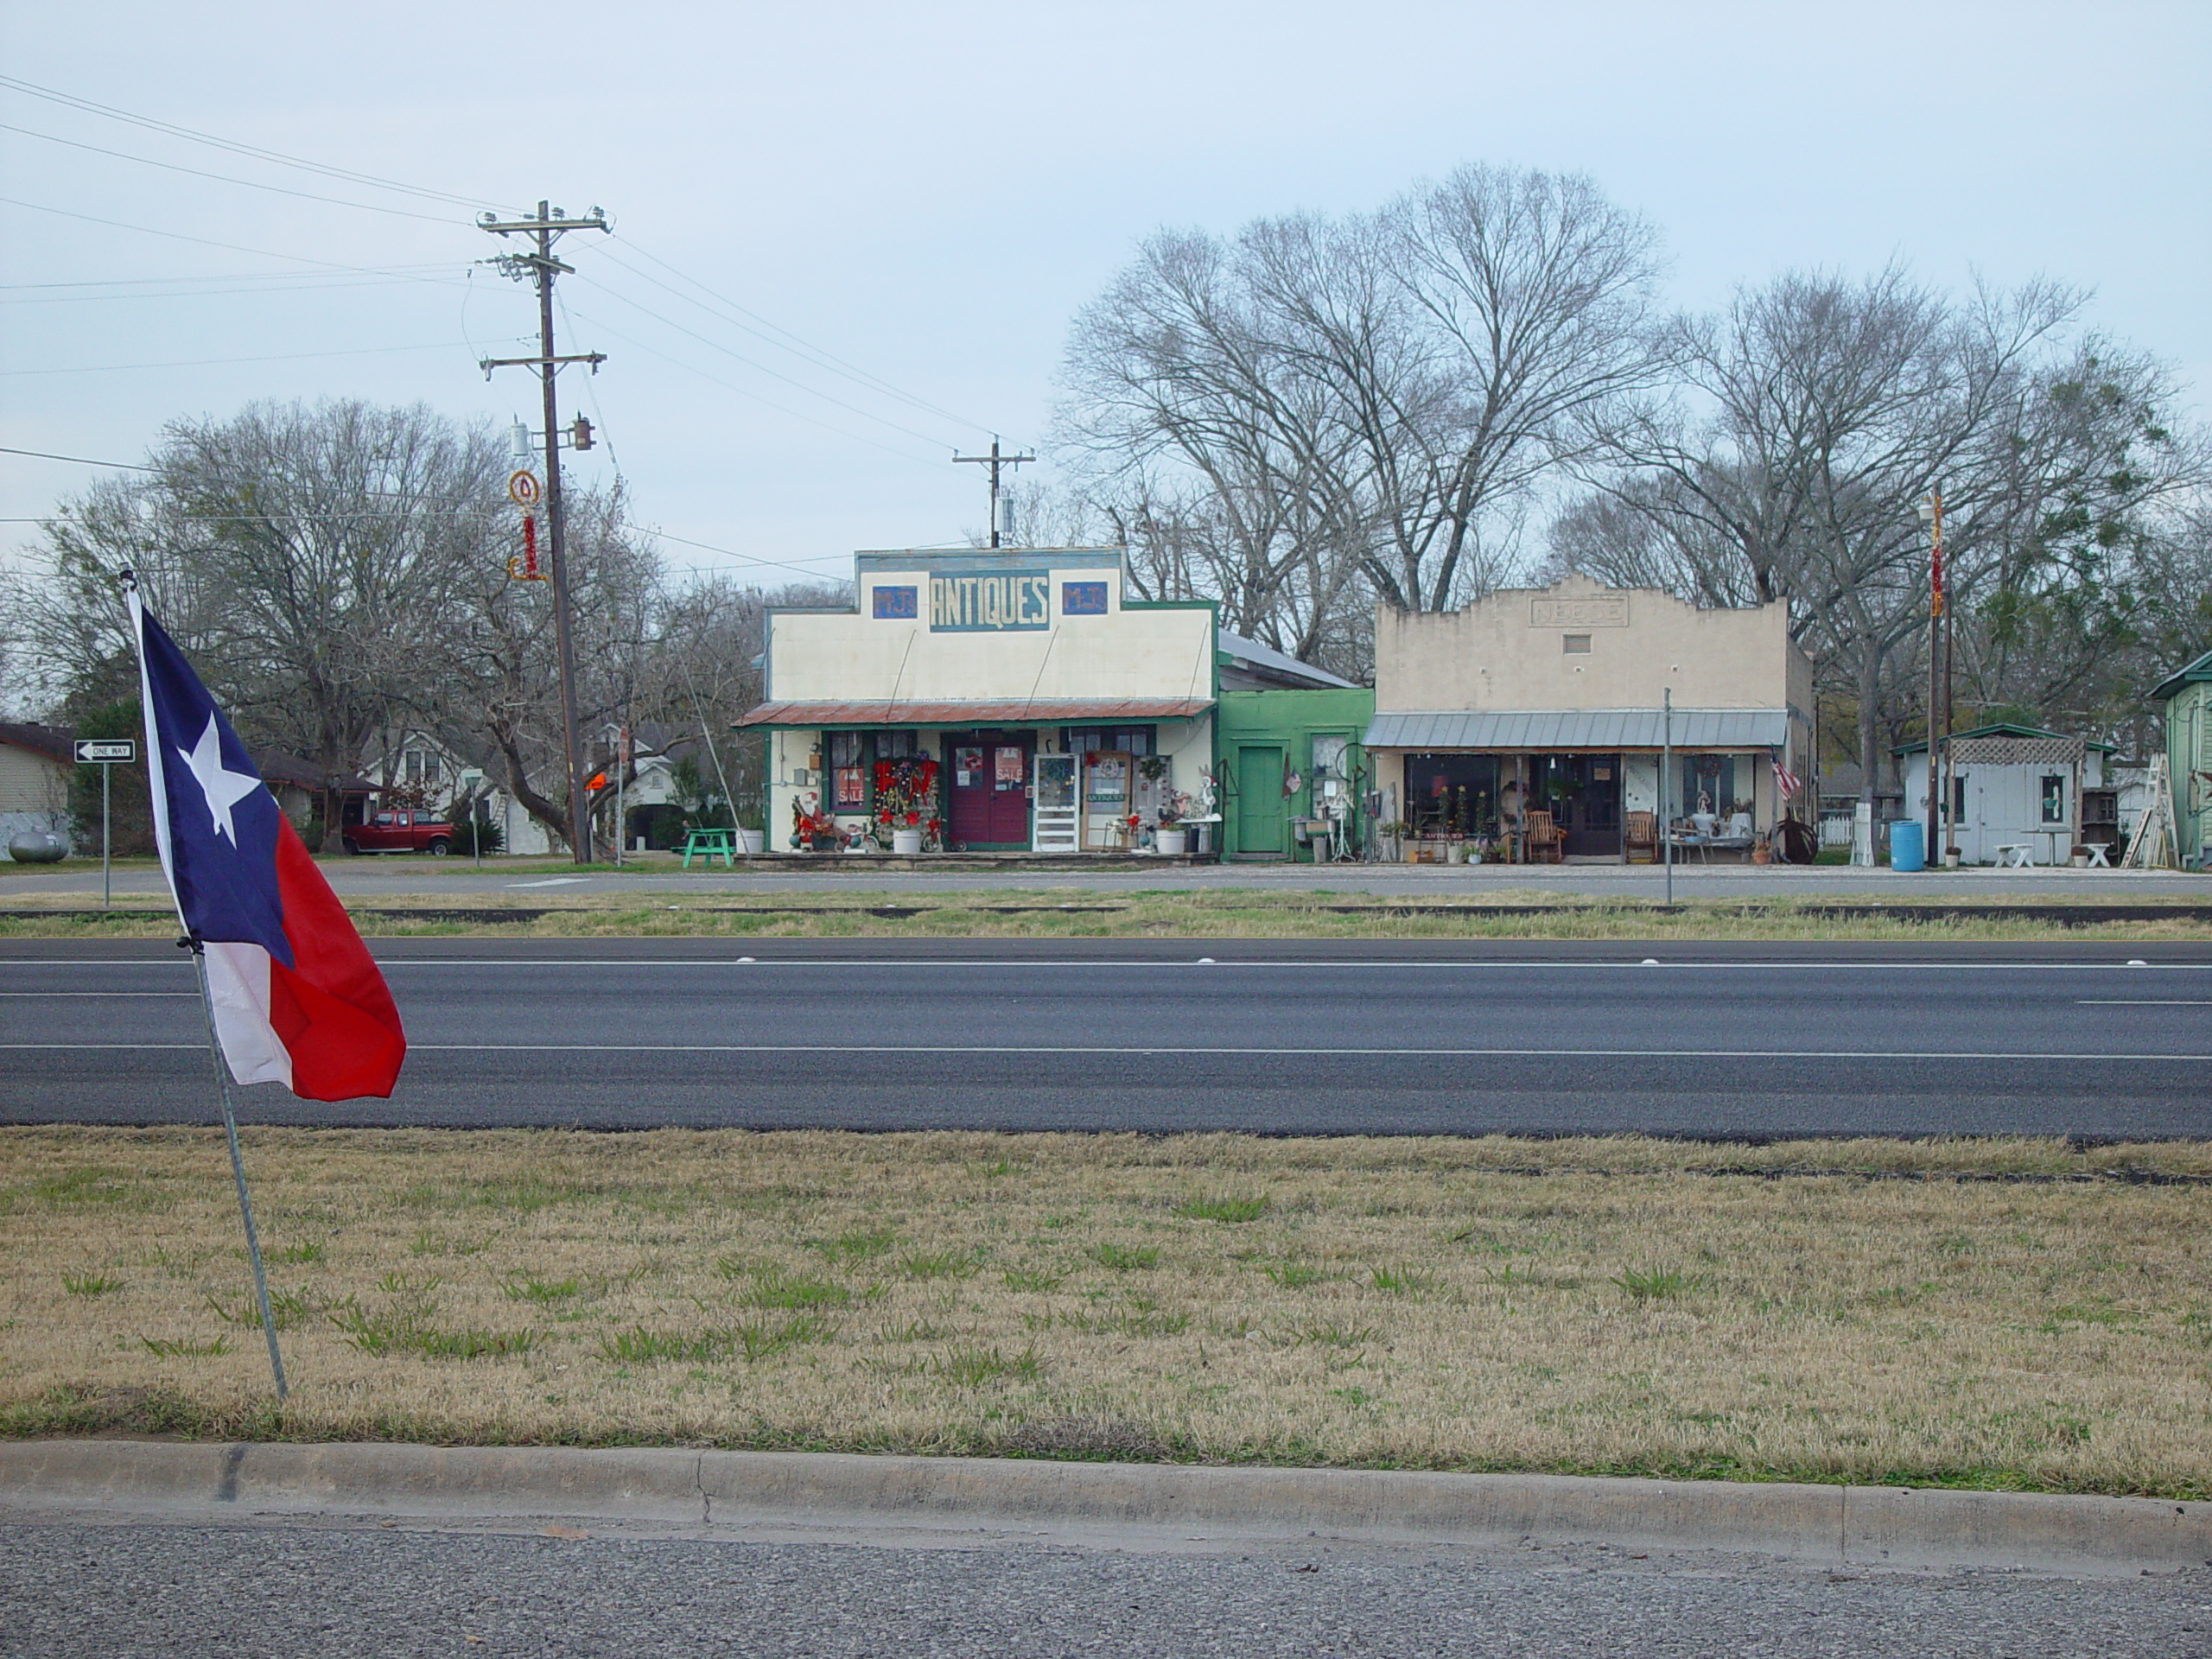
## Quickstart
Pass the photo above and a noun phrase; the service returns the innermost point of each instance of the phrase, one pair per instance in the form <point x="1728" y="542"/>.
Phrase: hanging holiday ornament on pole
<point x="521" y="490"/>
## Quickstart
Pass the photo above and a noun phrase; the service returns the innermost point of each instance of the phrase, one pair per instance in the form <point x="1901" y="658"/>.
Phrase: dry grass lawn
<point x="1045" y="912"/>
<point x="2015" y="1313"/>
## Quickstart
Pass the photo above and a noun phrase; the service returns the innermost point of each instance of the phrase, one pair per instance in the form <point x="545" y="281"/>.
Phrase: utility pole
<point x="995" y="460"/>
<point x="1666" y="774"/>
<point x="541" y="266"/>
<point x="1931" y="514"/>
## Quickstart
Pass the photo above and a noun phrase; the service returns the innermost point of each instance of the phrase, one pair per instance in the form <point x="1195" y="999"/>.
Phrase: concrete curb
<point x="1841" y="1525"/>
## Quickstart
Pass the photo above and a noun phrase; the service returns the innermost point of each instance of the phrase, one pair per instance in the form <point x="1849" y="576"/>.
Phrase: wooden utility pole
<point x="995" y="460"/>
<point x="542" y="267"/>
<point x="1931" y="513"/>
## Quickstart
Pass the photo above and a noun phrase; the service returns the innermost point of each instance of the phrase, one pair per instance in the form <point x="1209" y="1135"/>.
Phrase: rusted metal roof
<point x="995" y="711"/>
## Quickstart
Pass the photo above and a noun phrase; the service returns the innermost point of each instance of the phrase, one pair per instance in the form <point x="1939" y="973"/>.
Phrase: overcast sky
<point x="925" y="195"/>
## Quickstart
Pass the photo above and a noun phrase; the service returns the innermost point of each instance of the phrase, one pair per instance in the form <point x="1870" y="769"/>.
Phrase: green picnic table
<point x="711" y="844"/>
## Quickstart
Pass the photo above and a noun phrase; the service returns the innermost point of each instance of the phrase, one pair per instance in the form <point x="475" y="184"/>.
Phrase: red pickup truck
<point x="401" y="832"/>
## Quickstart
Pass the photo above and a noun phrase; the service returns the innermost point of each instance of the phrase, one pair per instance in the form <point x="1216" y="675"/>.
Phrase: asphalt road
<point x="1285" y="1037"/>
<point x="245" y="1592"/>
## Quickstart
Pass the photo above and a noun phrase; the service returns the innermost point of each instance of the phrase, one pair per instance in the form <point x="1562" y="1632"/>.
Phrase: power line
<point x="816" y="355"/>
<point x="715" y="345"/>
<point x="179" y="235"/>
<point x="226" y="276"/>
<point x="224" y="178"/>
<point x="209" y="362"/>
<point x="742" y="391"/>
<point x="750" y="558"/>
<point x="81" y="460"/>
<point x="278" y="157"/>
<point x="591" y="388"/>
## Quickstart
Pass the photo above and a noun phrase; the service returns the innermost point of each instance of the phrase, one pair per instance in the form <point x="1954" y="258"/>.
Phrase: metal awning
<point x="996" y="711"/>
<point x="1561" y="731"/>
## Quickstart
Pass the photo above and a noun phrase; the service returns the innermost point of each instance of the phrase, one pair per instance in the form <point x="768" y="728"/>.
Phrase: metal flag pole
<point x="157" y="796"/>
<point x="238" y="1164"/>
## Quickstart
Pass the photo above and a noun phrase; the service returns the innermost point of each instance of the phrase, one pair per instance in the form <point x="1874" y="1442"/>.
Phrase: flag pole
<point x="156" y="771"/>
<point x="238" y="1164"/>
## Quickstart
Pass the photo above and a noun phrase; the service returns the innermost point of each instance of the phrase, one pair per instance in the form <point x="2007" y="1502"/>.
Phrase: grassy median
<point x="1530" y="914"/>
<point x="1988" y="1313"/>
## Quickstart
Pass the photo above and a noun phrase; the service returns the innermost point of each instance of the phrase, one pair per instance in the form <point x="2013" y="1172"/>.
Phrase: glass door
<point x="1056" y="826"/>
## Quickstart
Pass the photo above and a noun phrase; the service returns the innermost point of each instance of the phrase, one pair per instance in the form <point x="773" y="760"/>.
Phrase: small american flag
<point x="1786" y="781"/>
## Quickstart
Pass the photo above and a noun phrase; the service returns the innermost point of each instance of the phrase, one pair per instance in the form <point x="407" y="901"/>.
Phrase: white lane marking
<point x="904" y="964"/>
<point x="1032" y="1052"/>
<point x="2137" y="1002"/>
<point x="552" y="881"/>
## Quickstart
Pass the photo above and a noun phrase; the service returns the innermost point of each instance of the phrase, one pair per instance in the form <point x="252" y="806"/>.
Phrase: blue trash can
<point x="1908" y="847"/>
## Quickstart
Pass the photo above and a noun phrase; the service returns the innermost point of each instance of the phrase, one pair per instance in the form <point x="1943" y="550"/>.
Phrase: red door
<point x="987" y="789"/>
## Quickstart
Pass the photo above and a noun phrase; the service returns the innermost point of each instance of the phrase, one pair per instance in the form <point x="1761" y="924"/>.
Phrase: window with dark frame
<point x="1128" y="739"/>
<point x="2054" y="797"/>
<point x="848" y="759"/>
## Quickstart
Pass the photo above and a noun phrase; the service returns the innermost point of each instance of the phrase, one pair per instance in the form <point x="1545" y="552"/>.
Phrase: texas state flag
<point x="296" y="998"/>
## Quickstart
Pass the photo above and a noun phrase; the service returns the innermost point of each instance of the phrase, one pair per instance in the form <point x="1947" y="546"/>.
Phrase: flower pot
<point x="1172" y="841"/>
<point x="750" y="842"/>
<point x="907" y="842"/>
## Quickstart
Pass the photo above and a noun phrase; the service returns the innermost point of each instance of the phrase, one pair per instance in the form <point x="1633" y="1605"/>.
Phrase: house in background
<point x="300" y="785"/>
<point x="36" y="766"/>
<point x="2187" y="696"/>
<point x="2018" y="786"/>
<point x="1551" y="699"/>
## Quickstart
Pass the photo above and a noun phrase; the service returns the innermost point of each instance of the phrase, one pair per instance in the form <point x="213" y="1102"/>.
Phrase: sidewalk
<point x="392" y="878"/>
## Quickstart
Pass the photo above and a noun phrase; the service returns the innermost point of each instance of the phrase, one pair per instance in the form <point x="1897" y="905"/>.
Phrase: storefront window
<point x="1128" y="739"/>
<point x="848" y="772"/>
<point x="1707" y="784"/>
<point x="1448" y="795"/>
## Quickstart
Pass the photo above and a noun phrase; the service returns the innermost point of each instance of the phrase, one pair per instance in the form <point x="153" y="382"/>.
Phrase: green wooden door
<point x="1259" y="800"/>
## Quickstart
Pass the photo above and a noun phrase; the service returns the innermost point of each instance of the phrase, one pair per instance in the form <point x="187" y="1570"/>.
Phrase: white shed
<point x="2017" y="787"/>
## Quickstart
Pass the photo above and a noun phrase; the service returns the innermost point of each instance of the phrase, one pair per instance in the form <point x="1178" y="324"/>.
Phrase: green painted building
<point x="2187" y="697"/>
<point x="1289" y="768"/>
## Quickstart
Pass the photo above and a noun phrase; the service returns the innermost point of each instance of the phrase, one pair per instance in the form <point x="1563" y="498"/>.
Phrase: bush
<point x="467" y="832"/>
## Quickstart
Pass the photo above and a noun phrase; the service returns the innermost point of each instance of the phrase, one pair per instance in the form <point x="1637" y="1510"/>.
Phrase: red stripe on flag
<point x="331" y="1007"/>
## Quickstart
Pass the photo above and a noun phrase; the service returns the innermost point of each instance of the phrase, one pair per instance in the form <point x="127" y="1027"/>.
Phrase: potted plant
<point x="1173" y="839"/>
<point x="905" y="802"/>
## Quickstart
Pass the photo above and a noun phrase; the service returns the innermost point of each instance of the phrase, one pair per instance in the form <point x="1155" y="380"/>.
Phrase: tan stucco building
<point x="1552" y="698"/>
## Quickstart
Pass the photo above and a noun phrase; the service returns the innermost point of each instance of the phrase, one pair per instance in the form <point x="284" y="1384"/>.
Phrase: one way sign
<point x="95" y="750"/>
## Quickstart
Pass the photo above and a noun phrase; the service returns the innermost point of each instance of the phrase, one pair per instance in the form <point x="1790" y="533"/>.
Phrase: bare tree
<point x="1802" y="428"/>
<point x="306" y="555"/>
<point x="1319" y="411"/>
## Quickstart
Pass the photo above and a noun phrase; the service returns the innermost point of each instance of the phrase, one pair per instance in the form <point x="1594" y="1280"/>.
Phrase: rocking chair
<point x="1547" y="841"/>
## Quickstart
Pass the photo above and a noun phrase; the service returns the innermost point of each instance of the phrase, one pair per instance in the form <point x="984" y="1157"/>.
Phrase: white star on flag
<point x="224" y="789"/>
